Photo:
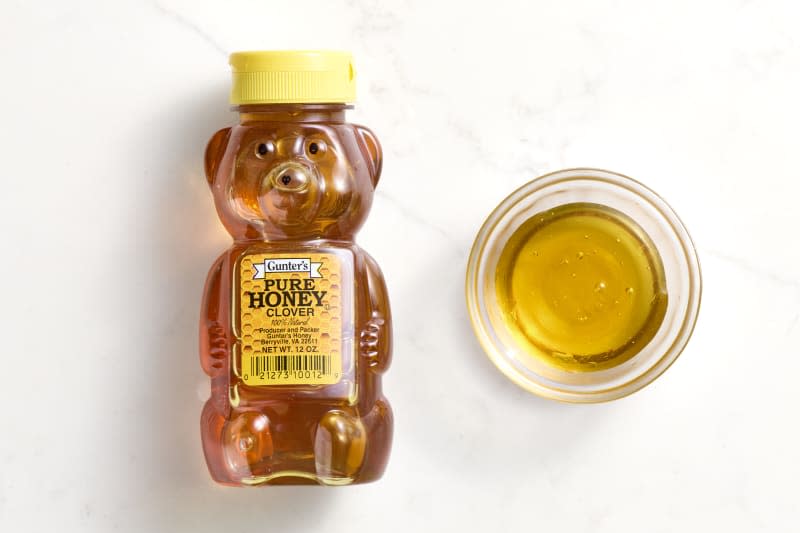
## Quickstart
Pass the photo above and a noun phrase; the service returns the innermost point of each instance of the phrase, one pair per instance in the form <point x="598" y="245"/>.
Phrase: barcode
<point x="290" y="364"/>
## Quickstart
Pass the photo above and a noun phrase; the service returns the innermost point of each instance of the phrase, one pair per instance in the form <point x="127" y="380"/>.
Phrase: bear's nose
<point x="289" y="177"/>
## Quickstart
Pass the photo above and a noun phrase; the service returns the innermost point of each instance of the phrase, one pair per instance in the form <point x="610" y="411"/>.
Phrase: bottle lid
<point x="292" y="77"/>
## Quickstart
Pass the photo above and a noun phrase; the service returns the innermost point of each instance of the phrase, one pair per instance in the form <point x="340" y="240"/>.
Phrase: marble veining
<point x="110" y="228"/>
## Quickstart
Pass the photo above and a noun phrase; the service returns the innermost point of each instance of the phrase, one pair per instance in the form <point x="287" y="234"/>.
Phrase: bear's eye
<point x="264" y="149"/>
<point x="316" y="148"/>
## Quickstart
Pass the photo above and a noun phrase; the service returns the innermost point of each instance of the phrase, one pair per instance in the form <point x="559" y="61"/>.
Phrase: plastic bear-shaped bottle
<point x="295" y="329"/>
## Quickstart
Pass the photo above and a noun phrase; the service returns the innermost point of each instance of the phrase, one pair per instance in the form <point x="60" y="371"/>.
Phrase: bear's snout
<point x="290" y="194"/>
<point x="289" y="177"/>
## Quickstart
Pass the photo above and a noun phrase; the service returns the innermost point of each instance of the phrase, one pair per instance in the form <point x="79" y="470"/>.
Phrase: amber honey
<point x="295" y="325"/>
<point x="581" y="287"/>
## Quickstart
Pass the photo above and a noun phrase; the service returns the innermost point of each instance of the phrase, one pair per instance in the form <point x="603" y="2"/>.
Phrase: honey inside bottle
<point x="295" y="324"/>
<point x="581" y="287"/>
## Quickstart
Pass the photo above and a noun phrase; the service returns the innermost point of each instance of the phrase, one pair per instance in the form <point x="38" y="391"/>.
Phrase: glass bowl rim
<point x="668" y="216"/>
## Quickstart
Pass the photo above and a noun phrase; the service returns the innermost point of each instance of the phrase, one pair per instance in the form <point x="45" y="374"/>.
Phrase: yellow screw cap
<point x="292" y="77"/>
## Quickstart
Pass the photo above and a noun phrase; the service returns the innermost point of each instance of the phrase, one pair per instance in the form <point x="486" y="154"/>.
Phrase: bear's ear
<point x="214" y="152"/>
<point x="370" y="144"/>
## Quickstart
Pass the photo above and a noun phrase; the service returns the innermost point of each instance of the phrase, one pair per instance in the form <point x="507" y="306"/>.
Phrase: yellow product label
<point x="291" y="313"/>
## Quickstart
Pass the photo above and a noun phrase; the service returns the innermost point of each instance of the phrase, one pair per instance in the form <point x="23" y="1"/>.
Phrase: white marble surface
<point x="108" y="230"/>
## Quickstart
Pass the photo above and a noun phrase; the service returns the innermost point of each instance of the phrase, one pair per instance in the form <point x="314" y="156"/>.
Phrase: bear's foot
<point x="247" y="444"/>
<point x="339" y="448"/>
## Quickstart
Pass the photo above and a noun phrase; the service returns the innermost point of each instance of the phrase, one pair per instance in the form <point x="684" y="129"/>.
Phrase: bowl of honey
<point x="583" y="286"/>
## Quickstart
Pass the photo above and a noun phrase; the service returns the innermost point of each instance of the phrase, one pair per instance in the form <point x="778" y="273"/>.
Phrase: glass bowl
<point x="672" y="243"/>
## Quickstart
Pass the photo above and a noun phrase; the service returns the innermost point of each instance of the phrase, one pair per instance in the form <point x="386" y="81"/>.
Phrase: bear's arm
<point x="213" y="345"/>
<point x="376" y="335"/>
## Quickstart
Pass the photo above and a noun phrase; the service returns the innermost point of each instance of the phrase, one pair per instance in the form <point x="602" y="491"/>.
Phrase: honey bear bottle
<point x="295" y="329"/>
